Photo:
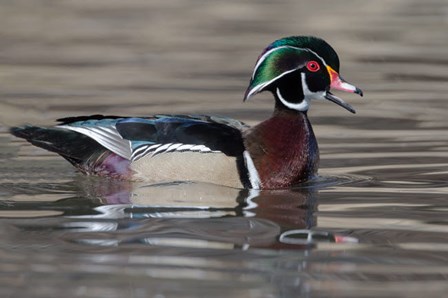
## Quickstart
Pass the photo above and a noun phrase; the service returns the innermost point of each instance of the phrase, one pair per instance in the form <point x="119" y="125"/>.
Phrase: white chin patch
<point x="305" y="104"/>
<point x="308" y="93"/>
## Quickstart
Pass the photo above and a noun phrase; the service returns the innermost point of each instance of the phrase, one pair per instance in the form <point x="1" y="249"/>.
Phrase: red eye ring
<point x="312" y="66"/>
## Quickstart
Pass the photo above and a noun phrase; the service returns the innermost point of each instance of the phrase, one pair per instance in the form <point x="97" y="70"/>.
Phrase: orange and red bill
<point x="339" y="83"/>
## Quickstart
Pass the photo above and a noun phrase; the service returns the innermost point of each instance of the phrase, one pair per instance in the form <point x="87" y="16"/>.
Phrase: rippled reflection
<point x="177" y="214"/>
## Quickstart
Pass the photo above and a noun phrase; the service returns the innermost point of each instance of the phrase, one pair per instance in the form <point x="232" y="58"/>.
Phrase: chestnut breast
<point x="284" y="149"/>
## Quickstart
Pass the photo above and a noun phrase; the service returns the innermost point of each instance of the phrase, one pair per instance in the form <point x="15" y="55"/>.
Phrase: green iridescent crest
<point x="286" y="55"/>
<point x="273" y="65"/>
<point x="315" y="44"/>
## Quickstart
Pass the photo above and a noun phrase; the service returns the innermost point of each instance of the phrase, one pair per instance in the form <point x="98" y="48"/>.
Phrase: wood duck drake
<point x="279" y="152"/>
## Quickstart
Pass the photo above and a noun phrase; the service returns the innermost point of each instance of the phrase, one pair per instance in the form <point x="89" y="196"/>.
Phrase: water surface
<point x="372" y="225"/>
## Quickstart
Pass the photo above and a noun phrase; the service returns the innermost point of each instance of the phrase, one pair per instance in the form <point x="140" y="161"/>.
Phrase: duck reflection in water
<point x="199" y="214"/>
<point x="179" y="215"/>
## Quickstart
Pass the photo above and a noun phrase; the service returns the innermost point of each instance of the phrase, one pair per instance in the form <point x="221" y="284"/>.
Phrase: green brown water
<point x="378" y="213"/>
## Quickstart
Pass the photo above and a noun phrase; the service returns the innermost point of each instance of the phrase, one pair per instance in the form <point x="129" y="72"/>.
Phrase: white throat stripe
<point x="307" y="93"/>
<point x="303" y="106"/>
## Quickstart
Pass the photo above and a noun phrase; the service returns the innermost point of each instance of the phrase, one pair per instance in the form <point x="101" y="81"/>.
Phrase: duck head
<point x="298" y="69"/>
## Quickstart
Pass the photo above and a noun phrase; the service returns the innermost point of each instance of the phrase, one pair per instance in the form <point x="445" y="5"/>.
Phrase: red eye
<point x="312" y="66"/>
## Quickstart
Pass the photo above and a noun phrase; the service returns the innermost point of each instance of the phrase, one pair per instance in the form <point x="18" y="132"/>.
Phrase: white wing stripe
<point x="154" y="146"/>
<point x="184" y="147"/>
<point x="111" y="139"/>
<point x="161" y="148"/>
<point x="198" y="148"/>
<point x="170" y="147"/>
<point x="105" y="136"/>
<point x="140" y="149"/>
<point x="173" y="147"/>
<point x="145" y="150"/>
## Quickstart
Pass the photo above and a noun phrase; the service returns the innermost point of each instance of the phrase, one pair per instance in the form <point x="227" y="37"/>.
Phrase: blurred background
<point x="136" y="57"/>
<point x="377" y="213"/>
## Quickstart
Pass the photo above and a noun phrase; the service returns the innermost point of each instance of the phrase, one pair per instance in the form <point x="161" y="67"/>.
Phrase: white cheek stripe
<point x="262" y="85"/>
<point x="252" y="171"/>
<point x="265" y="55"/>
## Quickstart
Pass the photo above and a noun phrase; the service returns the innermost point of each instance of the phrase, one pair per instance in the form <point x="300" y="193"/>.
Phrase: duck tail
<point x="73" y="146"/>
